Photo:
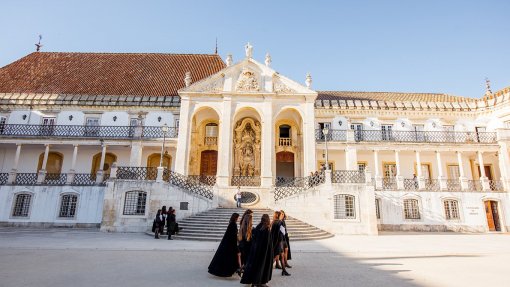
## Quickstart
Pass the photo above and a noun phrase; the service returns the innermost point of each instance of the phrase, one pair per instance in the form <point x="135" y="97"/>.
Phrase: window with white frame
<point x="451" y="209"/>
<point x="386" y="132"/>
<point x="134" y="203"/>
<point x="378" y="208"/>
<point x="22" y="205"/>
<point x="390" y="170"/>
<point x="68" y="203"/>
<point x="344" y="206"/>
<point x="411" y="209"/>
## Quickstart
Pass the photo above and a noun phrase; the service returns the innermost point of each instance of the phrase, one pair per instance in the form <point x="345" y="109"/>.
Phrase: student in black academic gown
<point x="171" y="224"/>
<point x="286" y="245"/>
<point x="226" y="260"/>
<point x="278" y="243"/>
<point x="158" y="222"/>
<point x="245" y="234"/>
<point x="259" y="266"/>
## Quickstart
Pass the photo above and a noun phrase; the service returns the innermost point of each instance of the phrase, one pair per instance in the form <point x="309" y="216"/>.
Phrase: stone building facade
<point x="98" y="139"/>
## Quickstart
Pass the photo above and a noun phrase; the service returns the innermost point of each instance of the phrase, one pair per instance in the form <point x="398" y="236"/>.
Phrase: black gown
<point x="277" y="237"/>
<point x="224" y="262"/>
<point x="259" y="266"/>
<point x="287" y="240"/>
<point x="245" y="247"/>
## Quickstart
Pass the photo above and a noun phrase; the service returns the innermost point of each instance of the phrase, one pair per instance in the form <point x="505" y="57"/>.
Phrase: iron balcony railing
<point x="389" y="183"/>
<point x="297" y="185"/>
<point x="188" y="183"/>
<point x="137" y="173"/>
<point x="347" y="176"/>
<point x="25" y="178"/>
<point x="205" y="179"/>
<point x="496" y="185"/>
<point x="408" y="136"/>
<point x="85" y="179"/>
<point x="411" y="184"/>
<point x="3" y="178"/>
<point x="55" y="179"/>
<point x="79" y="131"/>
<point x="239" y="180"/>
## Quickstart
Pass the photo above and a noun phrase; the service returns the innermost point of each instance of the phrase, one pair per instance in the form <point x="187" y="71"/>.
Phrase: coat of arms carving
<point x="247" y="82"/>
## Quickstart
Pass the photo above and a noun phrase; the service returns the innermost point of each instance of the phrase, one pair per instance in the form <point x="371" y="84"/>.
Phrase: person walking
<point x="226" y="260"/>
<point x="286" y="243"/>
<point x="158" y="222"/>
<point x="238" y="196"/>
<point x="172" y="226"/>
<point x="277" y="237"/>
<point x="245" y="235"/>
<point x="259" y="266"/>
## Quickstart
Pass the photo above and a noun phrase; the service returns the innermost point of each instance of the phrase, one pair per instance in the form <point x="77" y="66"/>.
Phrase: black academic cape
<point x="245" y="247"/>
<point x="277" y="237"/>
<point x="259" y="266"/>
<point x="224" y="262"/>
<point x="171" y="224"/>
<point x="287" y="240"/>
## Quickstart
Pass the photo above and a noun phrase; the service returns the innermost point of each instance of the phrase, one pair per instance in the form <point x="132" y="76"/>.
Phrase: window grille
<point x="378" y="208"/>
<point x="134" y="203"/>
<point x="22" y="205"/>
<point x="411" y="209"/>
<point x="68" y="205"/>
<point x="344" y="206"/>
<point x="451" y="209"/>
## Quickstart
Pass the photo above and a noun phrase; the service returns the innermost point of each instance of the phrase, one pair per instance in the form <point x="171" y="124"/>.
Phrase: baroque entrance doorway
<point x="285" y="164"/>
<point x="208" y="163"/>
<point x="491" y="210"/>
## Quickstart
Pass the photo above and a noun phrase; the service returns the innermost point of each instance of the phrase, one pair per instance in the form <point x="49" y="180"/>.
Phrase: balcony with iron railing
<point x="407" y="136"/>
<point x="53" y="179"/>
<point x="88" y="132"/>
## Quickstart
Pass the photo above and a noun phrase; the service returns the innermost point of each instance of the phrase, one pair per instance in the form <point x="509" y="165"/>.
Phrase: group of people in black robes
<point x="250" y="252"/>
<point x="165" y="217"/>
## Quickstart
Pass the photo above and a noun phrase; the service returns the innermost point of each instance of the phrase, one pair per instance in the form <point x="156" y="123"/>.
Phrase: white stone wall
<point x="471" y="208"/>
<point x="158" y="194"/>
<point x="45" y="206"/>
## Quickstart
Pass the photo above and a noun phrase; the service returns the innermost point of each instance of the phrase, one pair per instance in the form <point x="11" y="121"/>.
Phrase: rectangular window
<point x="453" y="171"/>
<point x="358" y="131"/>
<point x="411" y="209"/>
<point x="211" y="130"/>
<point x="22" y="205"/>
<point x="389" y="170"/>
<point x="92" y="126"/>
<point x="48" y="126"/>
<point x="344" y="206"/>
<point x="386" y="132"/>
<point x="419" y="133"/>
<point x="362" y="166"/>
<point x="134" y="203"/>
<point x="451" y="209"/>
<point x="68" y="206"/>
<point x="3" y="120"/>
<point x="323" y="126"/>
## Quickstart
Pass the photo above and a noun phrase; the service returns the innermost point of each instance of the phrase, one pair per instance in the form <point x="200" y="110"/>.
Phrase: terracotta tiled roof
<point x="390" y="96"/>
<point x="105" y="73"/>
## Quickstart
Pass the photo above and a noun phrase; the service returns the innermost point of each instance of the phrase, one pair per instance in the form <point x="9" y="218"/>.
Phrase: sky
<point x="431" y="46"/>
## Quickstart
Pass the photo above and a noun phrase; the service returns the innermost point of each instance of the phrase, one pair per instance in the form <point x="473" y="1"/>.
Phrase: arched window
<point x="68" y="203"/>
<point x="22" y="205"/>
<point x="411" y="209"/>
<point x="451" y="209"/>
<point x="134" y="203"/>
<point x="344" y="206"/>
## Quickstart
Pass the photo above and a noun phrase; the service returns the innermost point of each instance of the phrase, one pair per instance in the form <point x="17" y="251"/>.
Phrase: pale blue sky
<point x="410" y="46"/>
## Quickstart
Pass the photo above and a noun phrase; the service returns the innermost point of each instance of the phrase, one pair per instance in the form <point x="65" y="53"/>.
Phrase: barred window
<point x="344" y="206"/>
<point x="68" y="203"/>
<point x="362" y="166"/>
<point x="134" y="203"/>
<point x="451" y="209"/>
<point x="411" y="209"/>
<point x="22" y="205"/>
<point x="378" y="208"/>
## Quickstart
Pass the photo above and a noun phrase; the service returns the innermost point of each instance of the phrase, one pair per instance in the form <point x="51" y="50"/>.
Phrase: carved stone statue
<point x="247" y="81"/>
<point x="247" y="148"/>
<point x="268" y="60"/>
<point x="248" y="49"/>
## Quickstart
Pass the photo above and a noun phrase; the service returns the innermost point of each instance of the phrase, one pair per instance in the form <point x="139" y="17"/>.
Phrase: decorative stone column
<point x="14" y="170"/>
<point x="135" y="157"/>
<point x="72" y="171"/>
<point x="441" y="178"/>
<point x="100" y="172"/>
<point x="225" y="143"/>
<point x="399" y="177"/>
<point x="310" y="164"/>
<point x="421" y="180"/>
<point x="351" y="158"/>
<point x="377" y="176"/>
<point x="159" y="176"/>
<point x="268" y="144"/>
<point x="182" y="152"/>
<point x="463" y="179"/>
<point x="42" y="173"/>
<point x="504" y="164"/>
<point x="483" y="177"/>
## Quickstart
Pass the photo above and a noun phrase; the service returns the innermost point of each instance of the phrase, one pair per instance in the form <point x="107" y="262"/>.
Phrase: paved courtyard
<point x="89" y="258"/>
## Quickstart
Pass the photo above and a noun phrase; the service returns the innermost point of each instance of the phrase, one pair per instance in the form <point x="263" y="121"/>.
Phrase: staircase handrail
<point x="189" y="184"/>
<point x="298" y="185"/>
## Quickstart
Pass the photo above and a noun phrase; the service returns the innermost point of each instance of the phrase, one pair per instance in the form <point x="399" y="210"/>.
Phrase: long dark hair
<point x="245" y="228"/>
<point x="158" y="213"/>
<point x="234" y="217"/>
<point x="163" y="209"/>
<point x="266" y="223"/>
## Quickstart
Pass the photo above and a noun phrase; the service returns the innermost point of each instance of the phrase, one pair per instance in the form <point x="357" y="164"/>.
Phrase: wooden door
<point x="492" y="213"/>
<point x="488" y="172"/>
<point x="285" y="164"/>
<point x="208" y="162"/>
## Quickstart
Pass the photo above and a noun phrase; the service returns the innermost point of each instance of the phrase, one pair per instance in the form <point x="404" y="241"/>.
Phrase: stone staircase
<point x="211" y="225"/>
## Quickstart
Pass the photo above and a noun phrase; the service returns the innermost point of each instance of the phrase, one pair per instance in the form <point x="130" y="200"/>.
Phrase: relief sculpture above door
<point x="247" y="148"/>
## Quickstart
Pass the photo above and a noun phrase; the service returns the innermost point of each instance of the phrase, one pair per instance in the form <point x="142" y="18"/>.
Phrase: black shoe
<point x="285" y="273"/>
<point x="288" y="266"/>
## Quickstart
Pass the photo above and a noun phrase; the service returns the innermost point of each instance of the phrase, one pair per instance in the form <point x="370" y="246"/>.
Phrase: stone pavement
<point x="89" y="258"/>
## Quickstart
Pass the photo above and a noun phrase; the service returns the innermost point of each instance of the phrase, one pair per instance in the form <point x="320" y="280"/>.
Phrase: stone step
<point x="211" y="226"/>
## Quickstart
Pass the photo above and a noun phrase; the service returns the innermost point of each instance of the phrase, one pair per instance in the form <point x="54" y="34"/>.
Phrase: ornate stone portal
<point x="247" y="148"/>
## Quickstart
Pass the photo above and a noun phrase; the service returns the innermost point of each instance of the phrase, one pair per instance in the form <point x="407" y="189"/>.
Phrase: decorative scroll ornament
<point x="247" y="82"/>
<point x="216" y="86"/>
<point x="280" y="87"/>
